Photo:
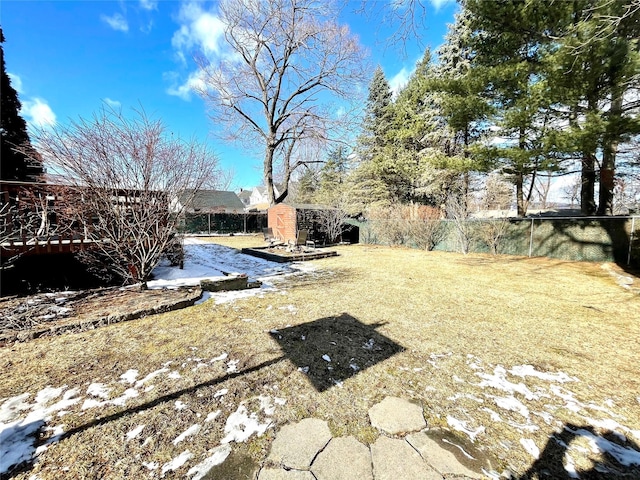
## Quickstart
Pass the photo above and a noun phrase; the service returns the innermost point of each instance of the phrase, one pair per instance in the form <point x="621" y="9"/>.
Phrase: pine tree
<point x="19" y="159"/>
<point x="366" y="179"/>
<point x="510" y="42"/>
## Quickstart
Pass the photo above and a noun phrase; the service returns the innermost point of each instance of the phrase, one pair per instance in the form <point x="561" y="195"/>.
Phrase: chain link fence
<point x="594" y="239"/>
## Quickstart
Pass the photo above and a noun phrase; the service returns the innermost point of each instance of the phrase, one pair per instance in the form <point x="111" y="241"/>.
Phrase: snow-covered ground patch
<point x="211" y="261"/>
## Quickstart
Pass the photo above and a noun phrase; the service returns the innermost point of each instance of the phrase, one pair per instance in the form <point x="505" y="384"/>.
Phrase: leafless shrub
<point x="491" y="232"/>
<point x="458" y="212"/>
<point x="414" y="224"/>
<point x="125" y="177"/>
<point x="424" y="225"/>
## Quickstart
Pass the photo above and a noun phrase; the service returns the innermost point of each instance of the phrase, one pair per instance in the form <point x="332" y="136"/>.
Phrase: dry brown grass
<point x="450" y="316"/>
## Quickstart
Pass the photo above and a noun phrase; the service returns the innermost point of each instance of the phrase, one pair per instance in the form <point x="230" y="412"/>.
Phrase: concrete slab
<point x="442" y="460"/>
<point x="395" y="459"/>
<point x="282" y="474"/>
<point x="344" y="458"/>
<point x="296" y="445"/>
<point x="396" y="415"/>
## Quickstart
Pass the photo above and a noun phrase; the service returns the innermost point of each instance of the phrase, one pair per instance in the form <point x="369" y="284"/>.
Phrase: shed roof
<point x="210" y="200"/>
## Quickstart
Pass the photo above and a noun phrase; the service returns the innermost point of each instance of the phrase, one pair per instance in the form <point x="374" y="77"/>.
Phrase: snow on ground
<point x="521" y="400"/>
<point x="23" y="421"/>
<point x="211" y="261"/>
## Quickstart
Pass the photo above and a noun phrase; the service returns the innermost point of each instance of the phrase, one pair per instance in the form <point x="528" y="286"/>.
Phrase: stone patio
<point x="307" y="451"/>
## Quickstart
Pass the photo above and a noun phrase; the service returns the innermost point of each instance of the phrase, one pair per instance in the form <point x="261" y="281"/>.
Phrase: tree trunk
<point x="587" y="184"/>
<point x="522" y="211"/>
<point x="609" y="149"/>
<point x="268" y="174"/>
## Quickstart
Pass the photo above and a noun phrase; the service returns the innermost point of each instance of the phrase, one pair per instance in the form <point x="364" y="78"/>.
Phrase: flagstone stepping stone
<point x="344" y="458"/>
<point x="395" y="459"/>
<point x="439" y="458"/>
<point x="282" y="474"/>
<point x="296" y="445"/>
<point x="396" y="415"/>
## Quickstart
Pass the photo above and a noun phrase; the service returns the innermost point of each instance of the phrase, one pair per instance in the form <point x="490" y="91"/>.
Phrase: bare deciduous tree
<point x="288" y="61"/>
<point x="125" y="175"/>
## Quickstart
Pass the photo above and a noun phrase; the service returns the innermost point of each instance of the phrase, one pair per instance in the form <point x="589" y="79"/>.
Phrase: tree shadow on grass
<point x="620" y="456"/>
<point x="332" y="349"/>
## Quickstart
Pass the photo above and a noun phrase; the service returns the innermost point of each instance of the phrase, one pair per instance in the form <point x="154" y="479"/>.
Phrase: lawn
<point x="518" y="358"/>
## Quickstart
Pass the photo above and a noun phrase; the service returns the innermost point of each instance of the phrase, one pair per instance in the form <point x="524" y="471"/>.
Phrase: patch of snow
<point x="176" y="463"/>
<point x="17" y="435"/>
<point x="570" y="466"/>
<point x="495" y="416"/>
<point x="206" y="295"/>
<point x="135" y="432"/>
<point x="232" y="366"/>
<point x="189" y="432"/>
<point x="129" y="376"/>
<point x="220" y="357"/>
<point x="499" y="381"/>
<point x="240" y="426"/>
<point x="530" y="371"/>
<point x="530" y="446"/>
<point x="461" y="426"/>
<point x="212" y="416"/>
<point x="354" y="367"/>
<point x="99" y="390"/>
<point x="180" y="405"/>
<point x="174" y="375"/>
<point x="624" y="456"/>
<point x="218" y="456"/>
<point x="326" y="358"/>
<point x="369" y="344"/>
<point x="304" y="370"/>
<point x="513" y="404"/>
<point x="151" y="376"/>
<point x="221" y="392"/>
<point x="151" y="465"/>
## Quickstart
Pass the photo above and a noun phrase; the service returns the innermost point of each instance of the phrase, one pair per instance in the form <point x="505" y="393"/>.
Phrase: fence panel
<point x="210" y="223"/>
<point x="594" y="239"/>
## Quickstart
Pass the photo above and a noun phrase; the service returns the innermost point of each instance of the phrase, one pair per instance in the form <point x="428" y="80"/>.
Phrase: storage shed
<point x="281" y="219"/>
<point x="285" y="220"/>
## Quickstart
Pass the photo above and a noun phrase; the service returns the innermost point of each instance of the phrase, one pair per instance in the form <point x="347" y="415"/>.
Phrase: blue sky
<point x="67" y="57"/>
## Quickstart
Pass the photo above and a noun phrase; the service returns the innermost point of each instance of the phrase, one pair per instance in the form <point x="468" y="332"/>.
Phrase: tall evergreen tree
<point x="367" y="178"/>
<point x="510" y="41"/>
<point x="19" y="159"/>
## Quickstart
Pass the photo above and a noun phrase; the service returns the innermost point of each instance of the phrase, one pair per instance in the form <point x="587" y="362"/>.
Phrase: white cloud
<point x="198" y="28"/>
<point x="38" y="113"/>
<point x="148" y="4"/>
<point x="16" y="82"/>
<point x="437" y="4"/>
<point x="399" y="80"/>
<point x="116" y="21"/>
<point x="193" y="84"/>
<point x="112" y="103"/>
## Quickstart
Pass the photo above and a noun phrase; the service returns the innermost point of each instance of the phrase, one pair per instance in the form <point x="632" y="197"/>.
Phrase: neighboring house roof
<point x="245" y="196"/>
<point x="208" y="201"/>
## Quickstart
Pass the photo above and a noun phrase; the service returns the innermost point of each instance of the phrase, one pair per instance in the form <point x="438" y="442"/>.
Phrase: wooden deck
<point x="45" y="246"/>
